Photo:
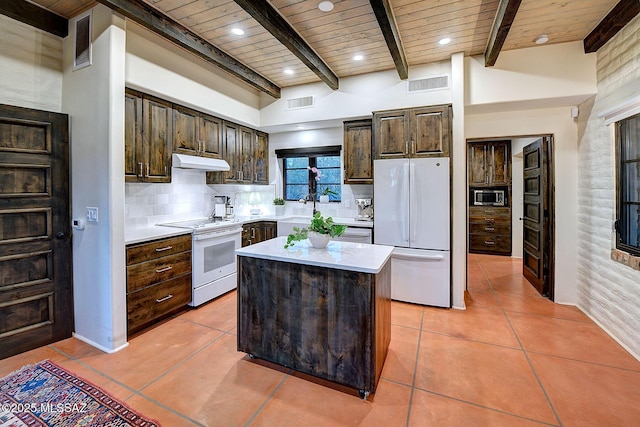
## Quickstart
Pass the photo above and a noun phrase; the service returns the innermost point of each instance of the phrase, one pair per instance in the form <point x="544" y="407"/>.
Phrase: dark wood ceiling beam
<point x="505" y="15"/>
<point x="35" y="16"/>
<point x="619" y="16"/>
<point x="145" y="15"/>
<point x="387" y="22"/>
<point x="272" y="21"/>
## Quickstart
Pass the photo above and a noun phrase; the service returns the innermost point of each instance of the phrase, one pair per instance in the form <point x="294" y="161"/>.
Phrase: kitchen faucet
<point x="305" y="199"/>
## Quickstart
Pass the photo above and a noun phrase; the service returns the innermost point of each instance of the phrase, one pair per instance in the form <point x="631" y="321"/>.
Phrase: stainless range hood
<point x="184" y="161"/>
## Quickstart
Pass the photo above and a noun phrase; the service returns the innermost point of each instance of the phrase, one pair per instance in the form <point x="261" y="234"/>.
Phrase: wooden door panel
<point x="357" y="152"/>
<point x="36" y="303"/>
<point x="391" y="134"/>
<point x="231" y="155"/>
<point x="428" y="137"/>
<point x="261" y="158"/>
<point x="211" y="136"/>
<point x="477" y="164"/>
<point x="157" y="135"/>
<point x="185" y="128"/>
<point x="246" y="154"/>
<point x="499" y="164"/>
<point x="535" y="225"/>
<point x="133" y="153"/>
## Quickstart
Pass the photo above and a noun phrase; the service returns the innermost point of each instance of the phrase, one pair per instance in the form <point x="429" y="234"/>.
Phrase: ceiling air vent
<point x="296" y="103"/>
<point x="430" y="83"/>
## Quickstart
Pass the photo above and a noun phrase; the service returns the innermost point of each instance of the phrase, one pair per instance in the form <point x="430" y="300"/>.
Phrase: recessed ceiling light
<point x="358" y="57"/>
<point x="444" y="41"/>
<point x="237" y="31"/>
<point x="541" y="39"/>
<point x="325" y="6"/>
<point x="288" y="71"/>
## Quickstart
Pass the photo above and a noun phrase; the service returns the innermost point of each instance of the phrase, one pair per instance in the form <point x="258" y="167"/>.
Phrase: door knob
<point x="520" y="218"/>
<point x="61" y="235"/>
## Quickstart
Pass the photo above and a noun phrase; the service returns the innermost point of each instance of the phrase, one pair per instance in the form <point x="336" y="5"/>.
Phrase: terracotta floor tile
<point x="495" y="377"/>
<point x="404" y="314"/>
<point x="298" y="402"/>
<point x="428" y="409"/>
<point x="515" y="284"/>
<point x="153" y="353"/>
<point x="400" y="363"/>
<point x="540" y="306"/>
<point x="574" y="340"/>
<point x="220" y="313"/>
<point x="12" y="364"/>
<point x="76" y="348"/>
<point x="218" y="386"/>
<point x="482" y="324"/>
<point x="481" y="299"/>
<point x="116" y="390"/>
<point x="584" y="394"/>
<point x="166" y="417"/>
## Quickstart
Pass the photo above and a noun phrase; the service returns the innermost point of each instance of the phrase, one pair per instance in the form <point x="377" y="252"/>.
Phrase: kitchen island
<point x="324" y="312"/>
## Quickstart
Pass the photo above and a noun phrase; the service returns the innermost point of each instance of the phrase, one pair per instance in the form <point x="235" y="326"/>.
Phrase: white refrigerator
<point x="413" y="213"/>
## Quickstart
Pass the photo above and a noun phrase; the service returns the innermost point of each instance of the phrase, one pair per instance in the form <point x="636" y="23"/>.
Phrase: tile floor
<point x="512" y="358"/>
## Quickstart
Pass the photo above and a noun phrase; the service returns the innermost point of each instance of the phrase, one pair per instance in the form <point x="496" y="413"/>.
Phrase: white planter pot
<point x="318" y="240"/>
<point x="324" y="199"/>
<point x="279" y="210"/>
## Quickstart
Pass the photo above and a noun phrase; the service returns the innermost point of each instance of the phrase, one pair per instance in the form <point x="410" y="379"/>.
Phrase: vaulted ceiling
<point x="292" y="42"/>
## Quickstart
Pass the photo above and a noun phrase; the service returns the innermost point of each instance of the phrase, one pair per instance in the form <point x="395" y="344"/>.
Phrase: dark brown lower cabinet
<point x="333" y="324"/>
<point x="256" y="232"/>
<point x="490" y="230"/>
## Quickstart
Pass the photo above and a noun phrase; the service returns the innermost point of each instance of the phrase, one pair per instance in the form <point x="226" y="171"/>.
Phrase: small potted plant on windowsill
<point x="324" y="197"/>
<point x="319" y="232"/>
<point x="279" y="204"/>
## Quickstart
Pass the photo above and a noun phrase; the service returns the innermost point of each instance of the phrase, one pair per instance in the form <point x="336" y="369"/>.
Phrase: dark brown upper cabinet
<point x="148" y="138"/>
<point x="196" y="133"/>
<point x="489" y="163"/>
<point x="414" y="132"/>
<point x="261" y="158"/>
<point x="358" y="156"/>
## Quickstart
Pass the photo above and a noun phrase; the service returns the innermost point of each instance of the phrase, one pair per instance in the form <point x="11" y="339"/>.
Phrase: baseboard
<point x="98" y="346"/>
<point x="610" y="334"/>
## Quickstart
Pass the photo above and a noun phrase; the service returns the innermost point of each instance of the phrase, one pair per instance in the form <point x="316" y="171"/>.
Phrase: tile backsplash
<point x="188" y="196"/>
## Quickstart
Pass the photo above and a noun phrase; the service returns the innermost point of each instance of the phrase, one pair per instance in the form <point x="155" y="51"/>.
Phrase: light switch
<point x="92" y="214"/>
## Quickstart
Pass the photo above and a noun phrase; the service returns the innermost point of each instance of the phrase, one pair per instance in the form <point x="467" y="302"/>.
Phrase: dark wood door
<point x="185" y="131"/>
<point x="261" y="158"/>
<point x="36" y="300"/>
<point x="231" y="154"/>
<point x="358" y="161"/>
<point x="477" y="164"/>
<point x="246" y="154"/>
<point x="210" y="136"/>
<point x="499" y="154"/>
<point x="157" y="136"/>
<point x="133" y="150"/>
<point x="429" y="132"/>
<point x="391" y="134"/>
<point x="537" y="243"/>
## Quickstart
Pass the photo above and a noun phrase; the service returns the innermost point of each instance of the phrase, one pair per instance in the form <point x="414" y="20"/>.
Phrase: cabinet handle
<point x="489" y="229"/>
<point x="489" y="243"/>
<point x="141" y="173"/>
<point x="166" y="248"/>
<point x="147" y="169"/>
<point x="253" y="233"/>
<point x="406" y="146"/>
<point x="489" y="220"/>
<point x="255" y="176"/>
<point x="162" y="270"/>
<point x="165" y="298"/>
<point x="249" y="242"/>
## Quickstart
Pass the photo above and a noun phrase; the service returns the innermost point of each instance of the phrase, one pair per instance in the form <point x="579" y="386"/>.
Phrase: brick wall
<point x="608" y="290"/>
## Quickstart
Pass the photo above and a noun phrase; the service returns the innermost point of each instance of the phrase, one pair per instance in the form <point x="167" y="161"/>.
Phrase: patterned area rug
<point x="44" y="394"/>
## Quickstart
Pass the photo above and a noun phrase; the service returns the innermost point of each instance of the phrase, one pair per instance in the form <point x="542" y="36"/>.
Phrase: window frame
<point x="624" y="141"/>
<point x="312" y="154"/>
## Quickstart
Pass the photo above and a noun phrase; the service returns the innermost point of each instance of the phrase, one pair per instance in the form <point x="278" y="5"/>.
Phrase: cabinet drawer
<point x="158" y="248"/>
<point x="487" y="243"/>
<point x="497" y="227"/>
<point x="158" y="270"/>
<point x="485" y="211"/>
<point x="150" y="303"/>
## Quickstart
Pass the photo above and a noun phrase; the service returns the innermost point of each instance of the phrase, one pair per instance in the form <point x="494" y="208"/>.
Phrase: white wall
<point x="93" y="97"/>
<point x="157" y="67"/>
<point x="558" y="122"/>
<point x="608" y="291"/>
<point x="30" y="66"/>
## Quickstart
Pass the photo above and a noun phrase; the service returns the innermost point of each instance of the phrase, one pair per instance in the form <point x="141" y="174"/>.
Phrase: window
<point x="628" y="162"/>
<point x="299" y="179"/>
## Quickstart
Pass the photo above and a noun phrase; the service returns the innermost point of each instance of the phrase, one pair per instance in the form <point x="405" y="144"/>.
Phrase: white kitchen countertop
<point x="145" y="234"/>
<point x="361" y="257"/>
<point x="351" y="222"/>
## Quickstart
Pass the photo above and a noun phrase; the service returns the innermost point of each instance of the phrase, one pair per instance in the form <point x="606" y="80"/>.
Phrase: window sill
<point x="625" y="258"/>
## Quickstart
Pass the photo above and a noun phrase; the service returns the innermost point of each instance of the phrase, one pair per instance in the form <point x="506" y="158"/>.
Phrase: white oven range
<point x="213" y="257"/>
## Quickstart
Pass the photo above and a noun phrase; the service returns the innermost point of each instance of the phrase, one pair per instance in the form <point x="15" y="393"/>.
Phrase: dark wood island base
<point x="327" y="322"/>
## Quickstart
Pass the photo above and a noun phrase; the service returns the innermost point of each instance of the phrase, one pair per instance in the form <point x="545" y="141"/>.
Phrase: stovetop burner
<point x="201" y="223"/>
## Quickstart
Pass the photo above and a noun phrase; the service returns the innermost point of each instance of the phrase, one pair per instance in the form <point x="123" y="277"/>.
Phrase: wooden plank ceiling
<point x="351" y="29"/>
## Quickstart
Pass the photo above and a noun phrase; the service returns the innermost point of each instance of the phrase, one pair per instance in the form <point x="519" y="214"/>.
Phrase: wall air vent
<point x="430" y="83"/>
<point x="297" y="103"/>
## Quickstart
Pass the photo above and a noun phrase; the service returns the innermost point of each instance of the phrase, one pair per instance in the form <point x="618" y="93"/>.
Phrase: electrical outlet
<point x="92" y="214"/>
<point x="347" y="203"/>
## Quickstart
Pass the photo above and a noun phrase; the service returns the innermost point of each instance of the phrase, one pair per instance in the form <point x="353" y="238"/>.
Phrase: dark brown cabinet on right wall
<point x="489" y="169"/>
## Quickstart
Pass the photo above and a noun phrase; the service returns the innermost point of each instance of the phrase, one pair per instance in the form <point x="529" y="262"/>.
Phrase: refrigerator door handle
<point x="417" y="257"/>
<point x="405" y="202"/>
<point x="413" y="202"/>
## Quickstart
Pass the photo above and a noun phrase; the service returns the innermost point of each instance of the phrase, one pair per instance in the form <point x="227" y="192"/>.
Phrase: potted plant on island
<point x="279" y="204"/>
<point x="319" y="232"/>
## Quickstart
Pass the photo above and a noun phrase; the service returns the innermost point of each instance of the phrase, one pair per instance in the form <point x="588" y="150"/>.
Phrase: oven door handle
<point x="215" y="235"/>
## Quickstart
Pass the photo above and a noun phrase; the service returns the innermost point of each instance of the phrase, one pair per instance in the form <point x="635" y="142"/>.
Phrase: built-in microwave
<point x="496" y="196"/>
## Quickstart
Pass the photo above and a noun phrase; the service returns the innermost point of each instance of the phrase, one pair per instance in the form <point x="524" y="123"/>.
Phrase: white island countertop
<point x="361" y="257"/>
